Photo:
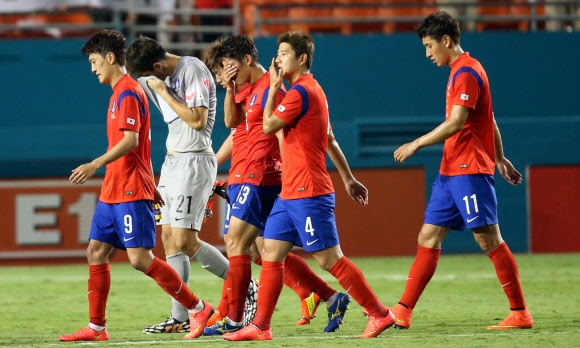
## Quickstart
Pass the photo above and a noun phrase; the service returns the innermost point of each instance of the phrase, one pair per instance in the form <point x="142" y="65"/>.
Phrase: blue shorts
<point x="462" y="202"/>
<point x="254" y="203"/>
<point x="233" y="191"/>
<point x="124" y="225"/>
<point x="307" y="222"/>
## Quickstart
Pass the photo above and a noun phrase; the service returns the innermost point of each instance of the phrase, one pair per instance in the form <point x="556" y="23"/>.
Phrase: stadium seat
<point x="411" y="10"/>
<point x="361" y="15"/>
<point x="75" y="16"/>
<point x="500" y="8"/>
<point x="251" y="9"/>
<point x="311" y="10"/>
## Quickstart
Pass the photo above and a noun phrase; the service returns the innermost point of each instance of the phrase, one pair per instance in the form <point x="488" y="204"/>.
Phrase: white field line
<point x="308" y="337"/>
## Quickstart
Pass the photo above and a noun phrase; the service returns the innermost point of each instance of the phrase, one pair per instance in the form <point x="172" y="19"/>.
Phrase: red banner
<point x="49" y="220"/>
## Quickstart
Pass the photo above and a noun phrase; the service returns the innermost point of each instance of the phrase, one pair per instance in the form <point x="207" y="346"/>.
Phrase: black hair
<point x="437" y="25"/>
<point x="105" y="41"/>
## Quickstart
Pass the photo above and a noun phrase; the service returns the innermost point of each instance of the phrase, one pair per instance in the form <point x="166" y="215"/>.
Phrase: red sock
<point x="99" y="285"/>
<point x="171" y="283"/>
<point x="224" y="304"/>
<point x="271" y="284"/>
<point x="353" y="281"/>
<point x="299" y="277"/>
<point x="420" y="274"/>
<point x="258" y="261"/>
<point x="506" y="269"/>
<point x="239" y="277"/>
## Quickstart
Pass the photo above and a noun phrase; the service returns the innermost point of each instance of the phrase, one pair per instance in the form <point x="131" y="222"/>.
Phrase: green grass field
<point x="37" y="304"/>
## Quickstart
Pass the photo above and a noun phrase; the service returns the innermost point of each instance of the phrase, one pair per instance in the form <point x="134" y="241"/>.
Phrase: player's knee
<point x="97" y="255"/>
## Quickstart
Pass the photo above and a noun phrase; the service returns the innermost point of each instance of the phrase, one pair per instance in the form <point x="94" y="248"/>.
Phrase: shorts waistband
<point x="207" y="150"/>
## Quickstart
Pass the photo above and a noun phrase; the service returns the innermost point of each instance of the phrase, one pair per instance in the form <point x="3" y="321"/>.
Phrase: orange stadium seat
<point x="414" y="10"/>
<point x="500" y="8"/>
<point x="358" y="9"/>
<point x="250" y="9"/>
<point x="301" y="10"/>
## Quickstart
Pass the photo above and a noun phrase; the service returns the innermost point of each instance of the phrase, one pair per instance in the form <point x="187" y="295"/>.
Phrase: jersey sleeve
<point x="467" y="87"/>
<point x="291" y="107"/>
<point x="196" y="86"/>
<point x="131" y="111"/>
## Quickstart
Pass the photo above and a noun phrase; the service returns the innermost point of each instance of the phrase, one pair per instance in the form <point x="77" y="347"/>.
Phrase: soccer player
<point x="123" y="217"/>
<point x="261" y="183"/>
<point x="463" y="195"/>
<point x="236" y="146"/>
<point x="184" y="91"/>
<point x="303" y="214"/>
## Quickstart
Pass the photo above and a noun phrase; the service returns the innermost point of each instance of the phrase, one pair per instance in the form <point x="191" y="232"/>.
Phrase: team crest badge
<point x="253" y="101"/>
<point x="176" y="86"/>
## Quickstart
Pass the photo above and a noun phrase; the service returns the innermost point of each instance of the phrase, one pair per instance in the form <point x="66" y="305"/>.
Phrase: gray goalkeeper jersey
<point x="191" y="84"/>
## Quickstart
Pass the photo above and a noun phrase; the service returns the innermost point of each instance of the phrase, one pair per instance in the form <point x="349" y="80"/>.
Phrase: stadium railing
<point x="271" y="17"/>
<point x="74" y="21"/>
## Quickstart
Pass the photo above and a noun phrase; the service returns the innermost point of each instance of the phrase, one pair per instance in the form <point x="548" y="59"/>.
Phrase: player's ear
<point x="247" y="59"/>
<point x="157" y="66"/>
<point x="303" y="59"/>
<point x="447" y="41"/>
<point x="110" y="57"/>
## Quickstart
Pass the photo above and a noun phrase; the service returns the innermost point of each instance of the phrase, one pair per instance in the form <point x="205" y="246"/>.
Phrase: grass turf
<point x="37" y="304"/>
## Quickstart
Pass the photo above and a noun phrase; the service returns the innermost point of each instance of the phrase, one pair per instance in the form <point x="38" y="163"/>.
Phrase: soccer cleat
<point x="249" y="333"/>
<point x="336" y="312"/>
<point x="309" y="306"/>
<point x="86" y="334"/>
<point x="168" y="326"/>
<point x="220" y="328"/>
<point x="516" y="320"/>
<point x="403" y="316"/>
<point x="215" y="317"/>
<point x="198" y="320"/>
<point x="377" y="325"/>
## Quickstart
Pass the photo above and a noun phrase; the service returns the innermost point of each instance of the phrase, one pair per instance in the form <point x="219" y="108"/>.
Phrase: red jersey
<point x="129" y="178"/>
<point x="472" y="149"/>
<point x="305" y="110"/>
<point x="263" y="161"/>
<point x="239" y="153"/>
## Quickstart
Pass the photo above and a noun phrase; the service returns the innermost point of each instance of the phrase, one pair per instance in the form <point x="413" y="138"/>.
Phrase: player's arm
<point x="504" y="166"/>
<point x="233" y="112"/>
<point x="225" y="150"/>
<point x="85" y="171"/>
<point x="450" y="126"/>
<point x="195" y="117"/>
<point x="271" y="123"/>
<point x="355" y="189"/>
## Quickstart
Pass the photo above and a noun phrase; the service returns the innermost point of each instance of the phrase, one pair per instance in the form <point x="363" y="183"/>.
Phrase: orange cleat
<point x="197" y="321"/>
<point x="309" y="306"/>
<point x="249" y="333"/>
<point x="377" y="325"/>
<point x="215" y="317"/>
<point x="403" y="316"/>
<point x="516" y="320"/>
<point x="86" y="334"/>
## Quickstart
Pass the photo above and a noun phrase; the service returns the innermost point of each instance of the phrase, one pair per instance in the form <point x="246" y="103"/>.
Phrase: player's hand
<point x="157" y="85"/>
<point x="276" y="75"/>
<point x="157" y="198"/>
<point x="229" y="75"/>
<point x="405" y="151"/>
<point x="220" y="188"/>
<point x="82" y="173"/>
<point x="358" y="192"/>
<point x="508" y="171"/>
